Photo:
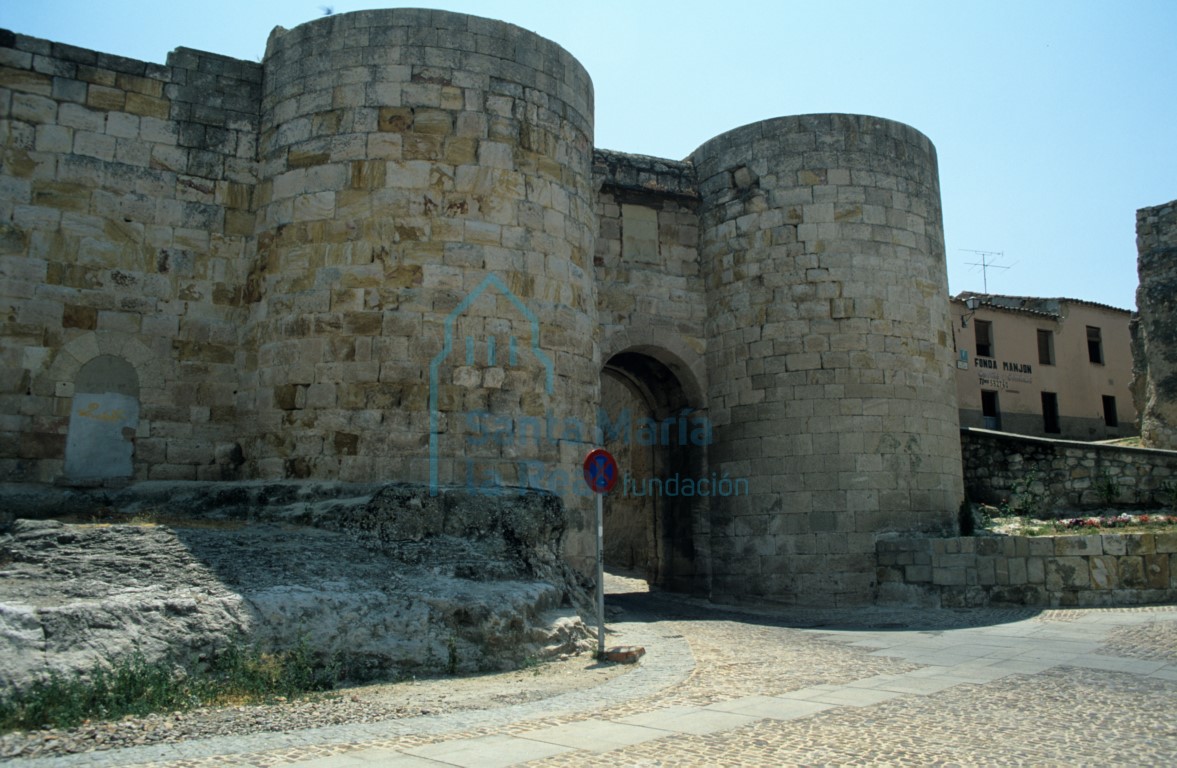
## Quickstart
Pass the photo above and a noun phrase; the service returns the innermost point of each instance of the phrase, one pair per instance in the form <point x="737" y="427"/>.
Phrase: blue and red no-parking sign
<point x="600" y="470"/>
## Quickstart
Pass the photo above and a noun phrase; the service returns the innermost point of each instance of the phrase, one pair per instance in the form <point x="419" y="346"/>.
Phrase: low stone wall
<point x="1057" y="475"/>
<point x="1108" y="569"/>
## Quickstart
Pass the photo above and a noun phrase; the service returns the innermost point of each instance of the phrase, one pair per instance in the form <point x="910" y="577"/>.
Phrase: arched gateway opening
<point x="656" y="517"/>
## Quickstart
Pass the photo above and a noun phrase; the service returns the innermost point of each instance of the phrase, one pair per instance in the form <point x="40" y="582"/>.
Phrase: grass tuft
<point x="136" y="687"/>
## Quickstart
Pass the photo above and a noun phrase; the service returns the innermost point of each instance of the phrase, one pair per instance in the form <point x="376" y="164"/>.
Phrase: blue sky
<point x="1054" y="121"/>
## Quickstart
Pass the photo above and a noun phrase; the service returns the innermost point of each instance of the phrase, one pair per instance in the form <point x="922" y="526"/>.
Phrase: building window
<point x="1050" y="423"/>
<point x="989" y="409"/>
<point x="1094" y="345"/>
<point x="984" y="338"/>
<point x="1045" y="347"/>
<point x="1109" y="411"/>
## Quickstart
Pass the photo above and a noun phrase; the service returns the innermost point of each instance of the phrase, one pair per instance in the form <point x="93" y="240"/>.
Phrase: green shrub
<point x="1108" y="488"/>
<point x="1030" y="496"/>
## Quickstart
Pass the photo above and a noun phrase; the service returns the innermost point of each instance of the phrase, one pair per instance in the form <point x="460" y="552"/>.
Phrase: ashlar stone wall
<point x="408" y="157"/>
<point x="125" y="223"/>
<point x="389" y="252"/>
<point x="1110" y="569"/>
<point x="822" y="253"/>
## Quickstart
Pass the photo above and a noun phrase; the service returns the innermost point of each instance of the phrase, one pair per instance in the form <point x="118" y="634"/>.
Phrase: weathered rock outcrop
<point x="388" y="579"/>
<point x="1156" y="337"/>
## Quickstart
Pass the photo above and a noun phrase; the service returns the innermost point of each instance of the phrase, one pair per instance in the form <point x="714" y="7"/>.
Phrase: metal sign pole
<point x="600" y="576"/>
<point x="600" y="472"/>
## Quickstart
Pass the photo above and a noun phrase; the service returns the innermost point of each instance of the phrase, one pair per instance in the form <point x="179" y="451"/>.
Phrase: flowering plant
<point x="1118" y="521"/>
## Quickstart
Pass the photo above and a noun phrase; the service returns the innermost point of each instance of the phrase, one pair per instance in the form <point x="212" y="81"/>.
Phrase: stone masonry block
<point x="1069" y="546"/>
<point x="987" y="571"/>
<point x="956" y="561"/>
<point x="1166" y="543"/>
<point x="1131" y="573"/>
<point x="189" y="452"/>
<point x="1141" y="544"/>
<point x="1066" y="573"/>
<point x="1114" y="544"/>
<point x="989" y="545"/>
<point x="321" y="395"/>
<point x="917" y="573"/>
<point x="1036" y="570"/>
<point x="1156" y="571"/>
<point x="1104" y="573"/>
<point x="1041" y="546"/>
<point x="949" y="577"/>
<point x="1017" y="572"/>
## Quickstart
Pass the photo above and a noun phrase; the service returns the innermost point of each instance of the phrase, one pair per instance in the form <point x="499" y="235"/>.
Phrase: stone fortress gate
<point x="390" y="252"/>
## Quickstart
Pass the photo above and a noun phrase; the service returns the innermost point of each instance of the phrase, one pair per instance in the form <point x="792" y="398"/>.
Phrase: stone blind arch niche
<point x="654" y="424"/>
<point x="104" y="416"/>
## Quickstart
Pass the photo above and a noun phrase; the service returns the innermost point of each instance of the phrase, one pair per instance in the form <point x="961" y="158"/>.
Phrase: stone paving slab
<point x="849" y="697"/>
<point x="370" y="758"/>
<point x="771" y="707"/>
<point x="693" y="720"/>
<point x="596" y="735"/>
<point x="488" y="751"/>
<point x="1116" y="664"/>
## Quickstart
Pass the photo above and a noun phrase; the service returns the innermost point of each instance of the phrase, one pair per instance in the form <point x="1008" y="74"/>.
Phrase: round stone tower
<point x="424" y="307"/>
<point x="829" y="352"/>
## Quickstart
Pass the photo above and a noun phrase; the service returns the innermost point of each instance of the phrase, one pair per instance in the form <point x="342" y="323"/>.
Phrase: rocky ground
<point x="407" y="697"/>
<point x="381" y="580"/>
<point x="73" y="596"/>
<point x="390" y="583"/>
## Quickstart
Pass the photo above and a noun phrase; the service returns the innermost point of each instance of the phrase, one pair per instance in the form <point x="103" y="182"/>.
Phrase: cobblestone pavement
<point x="792" y="687"/>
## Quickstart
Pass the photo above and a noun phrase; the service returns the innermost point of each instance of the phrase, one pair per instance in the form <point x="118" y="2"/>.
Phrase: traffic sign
<point x="600" y="471"/>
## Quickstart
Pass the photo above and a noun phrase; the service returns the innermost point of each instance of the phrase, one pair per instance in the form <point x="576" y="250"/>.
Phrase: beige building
<point x="1047" y="367"/>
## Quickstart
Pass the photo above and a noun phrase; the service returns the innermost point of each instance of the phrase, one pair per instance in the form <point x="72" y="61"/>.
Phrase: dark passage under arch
<point x="655" y="519"/>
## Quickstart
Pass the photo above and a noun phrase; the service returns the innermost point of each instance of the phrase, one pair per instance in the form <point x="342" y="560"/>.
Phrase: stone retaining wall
<point x="1108" y="569"/>
<point x="1040" y="475"/>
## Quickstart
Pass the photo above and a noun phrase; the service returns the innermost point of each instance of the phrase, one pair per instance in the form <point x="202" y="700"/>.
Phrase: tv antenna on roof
<point x="985" y="264"/>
